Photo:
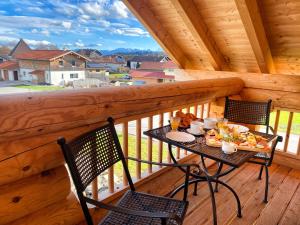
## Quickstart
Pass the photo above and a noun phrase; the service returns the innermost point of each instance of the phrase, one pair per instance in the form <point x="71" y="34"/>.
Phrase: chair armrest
<point x="163" y="164"/>
<point x="271" y="128"/>
<point x="123" y="210"/>
<point x="279" y="138"/>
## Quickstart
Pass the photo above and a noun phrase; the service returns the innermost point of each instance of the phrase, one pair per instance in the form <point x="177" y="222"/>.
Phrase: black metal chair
<point x="255" y="113"/>
<point x="90" y="154"/>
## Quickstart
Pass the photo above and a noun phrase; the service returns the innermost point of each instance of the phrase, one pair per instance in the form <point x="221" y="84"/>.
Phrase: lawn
<point x="40" y="87"/>
<point x="116" y="75"/>
<point x="131" y="152"/>
<point x="283" y="121"/>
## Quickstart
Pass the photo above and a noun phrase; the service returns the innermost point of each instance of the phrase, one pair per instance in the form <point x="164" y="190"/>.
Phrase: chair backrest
<point x="257" y="113"/>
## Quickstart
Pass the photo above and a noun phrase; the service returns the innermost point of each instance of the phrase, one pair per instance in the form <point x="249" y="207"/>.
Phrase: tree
<point x="4" y="50"/>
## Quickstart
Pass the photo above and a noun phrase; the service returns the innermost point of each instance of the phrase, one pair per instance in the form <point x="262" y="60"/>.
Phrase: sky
<point x="72" y="24"/>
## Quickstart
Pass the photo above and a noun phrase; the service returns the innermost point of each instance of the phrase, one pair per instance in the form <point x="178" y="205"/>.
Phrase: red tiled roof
<point x="9" y="65"/>
<point x="158" y="65"/>
<point x="149" y="74"/>
<point x="41" y="54"/>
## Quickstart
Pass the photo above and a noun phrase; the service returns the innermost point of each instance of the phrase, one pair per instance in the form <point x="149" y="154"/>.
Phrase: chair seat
<point x="145" y="202"/>
<point x="262" y="155"/>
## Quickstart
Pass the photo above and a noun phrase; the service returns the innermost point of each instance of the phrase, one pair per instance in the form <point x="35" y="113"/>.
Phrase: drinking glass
<point x="175" y="121"/>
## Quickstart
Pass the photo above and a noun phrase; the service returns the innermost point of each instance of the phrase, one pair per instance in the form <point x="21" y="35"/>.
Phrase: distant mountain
<point x="130" y="51"/>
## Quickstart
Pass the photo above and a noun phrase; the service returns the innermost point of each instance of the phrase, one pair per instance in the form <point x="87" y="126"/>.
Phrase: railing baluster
<point x="149" y="139"/>
<point x="111" y="182"/>
<point x="125" y="148"/>
<point x="298" y="150"/>
<point x="160" y="144"/>
<point x="196" y="110"/>
<point x="95" y="188"/>
<point x="276" y="121"/>
<point x="138" y="148"/>
<point x="169" y="156"/>
<point x="208" y="109"/>
<point x="202" y="111"/>
<point x="188" y="109"/>
<point x="288" y="131"/>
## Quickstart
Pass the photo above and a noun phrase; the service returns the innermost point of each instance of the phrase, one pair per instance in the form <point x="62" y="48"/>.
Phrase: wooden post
<point x="288" y="131"/>
<point x="125" y="149"/>
<point x="111" y="180"/>
<point x="95" y="188"/>
<point x="196" y="110"/>
<point x="160" y="144"/>
<point x="169" y="156"/>
<point x="138" y="148"/>
<point x="202" y="111"/>
<point x="276" y="121"/>
<point x="149" y="140"/>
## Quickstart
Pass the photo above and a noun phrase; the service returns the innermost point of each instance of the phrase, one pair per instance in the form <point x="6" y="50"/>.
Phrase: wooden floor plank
<point x="274" y="211"/>
<point x="245" y="189"/>
<point x="223" y="196"/>
<point x="254" y="205"/>
<point x="291" y="216"/>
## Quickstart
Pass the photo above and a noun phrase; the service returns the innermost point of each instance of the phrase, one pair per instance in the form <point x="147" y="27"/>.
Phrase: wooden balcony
<point x="35" y="187"/>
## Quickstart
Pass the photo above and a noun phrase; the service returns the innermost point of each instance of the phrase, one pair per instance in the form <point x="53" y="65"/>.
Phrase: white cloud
<point x="6" y="39"/>
<point x="131" y="31"/>
<point x="45" y="32"/>
<point x="37" y="43"/>
<point x="35" y="9"/>
<point x="79" y="44"/>
<point x="104" y="23"/>
<point x="34" y="31"/>
<point x="86" y="30"/>
<point x="67" y="24"/>
<point x="95" y="9"/>
<point x="119" y="9"/>
<point x="120" y="42"/>
<point x="99" y="44"/>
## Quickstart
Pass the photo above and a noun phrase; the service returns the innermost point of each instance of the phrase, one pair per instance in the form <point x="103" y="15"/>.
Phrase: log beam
<point x="35" y="114"/>
<point x="142" y="11"/>
<point x="200" y="32"/>
<point x="251" y="18"/>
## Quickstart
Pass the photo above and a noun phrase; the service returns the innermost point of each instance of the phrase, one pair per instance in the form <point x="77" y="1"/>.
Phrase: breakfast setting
<point x="218" y="132"/>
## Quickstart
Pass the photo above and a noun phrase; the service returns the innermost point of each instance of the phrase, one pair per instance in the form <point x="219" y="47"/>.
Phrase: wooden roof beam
<point x="142" y="11"/>
<point x="192" y="19"/>
<point x="251" y="18"/>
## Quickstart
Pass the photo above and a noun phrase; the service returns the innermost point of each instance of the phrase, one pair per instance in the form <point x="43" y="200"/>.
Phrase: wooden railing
<point x="200" y="110"/>
<point x="31" y="162"/>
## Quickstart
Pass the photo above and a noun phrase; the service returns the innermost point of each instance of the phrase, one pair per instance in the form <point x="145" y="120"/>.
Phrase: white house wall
<point x="63" y="77"/>
<point x="25" y="74"/>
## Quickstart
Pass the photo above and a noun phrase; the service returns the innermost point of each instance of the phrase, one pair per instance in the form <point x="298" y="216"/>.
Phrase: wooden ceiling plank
<point x="192" y="19"/>
<point x="253" y="24"/>
<point x="142" y="11"/>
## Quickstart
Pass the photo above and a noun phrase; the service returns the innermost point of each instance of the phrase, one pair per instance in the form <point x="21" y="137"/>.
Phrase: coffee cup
<point x="228" y="147"/>
<point x="196" y="127"/>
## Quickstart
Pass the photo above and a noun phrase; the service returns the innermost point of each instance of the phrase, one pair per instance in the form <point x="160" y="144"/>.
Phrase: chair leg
<point x="260" y="172"/>
<point x="163" y="221"/>
<point x="195" y="189"/>
<point x="267" y="185"/>
<point x="216" y="186"/>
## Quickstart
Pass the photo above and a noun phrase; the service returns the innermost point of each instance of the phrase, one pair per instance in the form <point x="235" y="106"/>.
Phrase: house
<point x="55" y="67"/>
<point x="97" y="71"/>
<point x="90" y="53"/>
<point x="4" y="58"/>
<point x="9" y="70"/>
<point x="20" y="47"/>
<point x="114" y="63"/>
<point x="135" y="62"/>
<point x="168" y="67"/>
<point x="150" y="77"/>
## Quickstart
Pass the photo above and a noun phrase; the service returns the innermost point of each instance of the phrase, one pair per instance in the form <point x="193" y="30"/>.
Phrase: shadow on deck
<point x="283" y="206"/>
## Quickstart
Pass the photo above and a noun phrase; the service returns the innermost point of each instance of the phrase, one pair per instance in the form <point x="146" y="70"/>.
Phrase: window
<point x="62" y="76"/>
<point x="160" y="80"/>
<point x="24" y="73"/>
<point x="97" y="70"/>
<point x="61" y="63"/>
<point x="74" y="75"/>
<point x="73" y="62"/>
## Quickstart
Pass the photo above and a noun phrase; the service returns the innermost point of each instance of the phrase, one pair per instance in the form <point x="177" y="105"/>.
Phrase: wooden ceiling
<point x="230" y="35"/>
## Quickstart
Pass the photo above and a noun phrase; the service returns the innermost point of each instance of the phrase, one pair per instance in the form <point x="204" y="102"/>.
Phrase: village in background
<point x="23" y="69"/>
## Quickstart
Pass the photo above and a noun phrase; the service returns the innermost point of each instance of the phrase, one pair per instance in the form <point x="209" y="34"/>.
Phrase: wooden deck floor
<point x="284" y="199"/>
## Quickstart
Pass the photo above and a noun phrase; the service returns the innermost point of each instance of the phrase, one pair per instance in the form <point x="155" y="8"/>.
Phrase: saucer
<point x="200" y="133"/>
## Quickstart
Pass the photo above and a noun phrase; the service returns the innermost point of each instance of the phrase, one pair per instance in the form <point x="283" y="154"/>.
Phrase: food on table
<point x="186" y="118"/>
<point x="245" y="140"/>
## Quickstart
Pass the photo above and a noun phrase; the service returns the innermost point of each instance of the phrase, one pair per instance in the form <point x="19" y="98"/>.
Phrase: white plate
<point x="241" y="129"/>
<point x="189" y="131"/>
<point x="180" y="136"/>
